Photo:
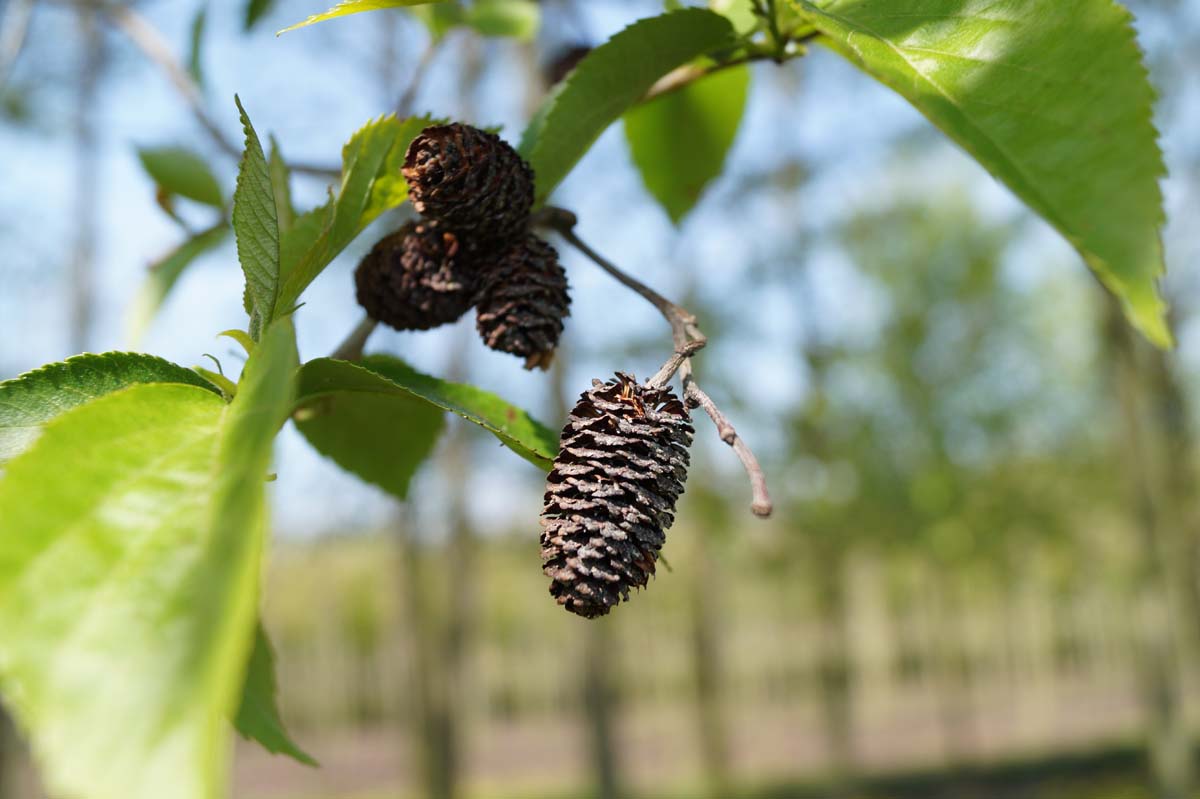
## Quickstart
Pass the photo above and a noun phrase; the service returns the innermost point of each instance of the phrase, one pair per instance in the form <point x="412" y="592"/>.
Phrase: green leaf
<point x="256" y="225"/>
<point x="141" y="514"/>
<point x="740" y="13"/>
<point x="28" y="402"/>
<point x="354" y="7"/>
<point x="609" y="81"/>
<point x="371" y="184"/>
<point x="195" y="42"/>
<point x="256" y="10"/>
<point x="281" y="186"/>
<point x="679" y="141"/>
<point x="182" y="172"/>
<point x="165" y="273"/>
<point x="518" y="19"/>
<point x="371" y="429"/>
<point x="1052" y="98"/>
<point x="325" y="377"/>
<point x="258" y="716"/>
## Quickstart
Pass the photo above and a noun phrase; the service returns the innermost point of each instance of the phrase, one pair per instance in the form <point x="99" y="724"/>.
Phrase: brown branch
<point x="688" y="340"/>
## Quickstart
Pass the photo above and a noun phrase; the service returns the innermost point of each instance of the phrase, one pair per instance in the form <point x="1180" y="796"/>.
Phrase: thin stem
<point x="404" y="106"/>
<point x="688" y="340"/>
<point x="352" y="348"/>
<point x="760" y="504"/>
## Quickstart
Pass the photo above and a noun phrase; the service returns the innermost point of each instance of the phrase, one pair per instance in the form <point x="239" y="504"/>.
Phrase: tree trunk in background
<point x="599" y="662"/>
<point x="707" y="665"/>
<point x="87" y="181"/>
<point x="836" y="676"/>
<point x="1165" y="573"/>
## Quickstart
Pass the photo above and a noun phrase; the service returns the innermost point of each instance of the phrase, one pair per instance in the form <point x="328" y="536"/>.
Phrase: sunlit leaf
<point x="1051" y="96"/>
<point x="28" y="402"/>
<point x="610" y="80"/>
<point x="355" y="7"/>
<point x="371" y="184"/>
<point x="256" y="225"/>
<point x="679" y="141"/>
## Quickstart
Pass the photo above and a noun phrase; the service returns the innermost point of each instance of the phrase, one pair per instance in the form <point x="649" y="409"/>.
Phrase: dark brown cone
<point x="611" y="495"/>
<point x="416" y="278"/>
<point x="470" y="180"/>
<point x="522" y="302"/>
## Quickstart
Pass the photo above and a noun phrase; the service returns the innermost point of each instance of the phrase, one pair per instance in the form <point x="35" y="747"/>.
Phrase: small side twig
<point x="352" y="348"/>
<point x="688" y="340"/>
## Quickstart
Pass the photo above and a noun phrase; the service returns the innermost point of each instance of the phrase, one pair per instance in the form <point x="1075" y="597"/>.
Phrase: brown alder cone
<point x="522" y="302"/>
<point x="417" y="278"/>
<point x="611" y="495"/>
<point x="470" y="180"/>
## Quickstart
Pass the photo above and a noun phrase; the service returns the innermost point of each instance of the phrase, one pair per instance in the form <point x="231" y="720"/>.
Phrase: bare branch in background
<point x="14" y="27"/>
<point x="688" y="340"/>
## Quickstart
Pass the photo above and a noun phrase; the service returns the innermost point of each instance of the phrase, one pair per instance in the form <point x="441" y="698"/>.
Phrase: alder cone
<point x="611" y="495"/>
<point x="417" y="278"/>
<point x="522" y="302"/>
<point x="470" y="180"/>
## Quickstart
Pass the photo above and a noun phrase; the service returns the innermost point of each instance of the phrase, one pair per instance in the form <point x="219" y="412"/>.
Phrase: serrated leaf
<point x="163" y="276"/>
<point x="516" y="429"/>
<point x="256" y="10"/>
<point x="29" y="402"/>
<point x="679" y="141"/>
<point x="371" y="184"/>
<point x="195" y="43"/>
<point x="256" y="226"/>
<point x="1051" y="96"/>
<point x="608" y="82"/>
<point x="182" y="172"/>
<point x="355" y="7"/>
<point x="258" y="715"/>
<point x="371" y="428"/>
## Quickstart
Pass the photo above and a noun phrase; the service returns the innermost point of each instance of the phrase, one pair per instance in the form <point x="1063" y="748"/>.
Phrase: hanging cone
<point x="611" y="495"/>
<point x="470" y="180"/>
<point x="523" y="301"/>
<point x="416" y="278"/>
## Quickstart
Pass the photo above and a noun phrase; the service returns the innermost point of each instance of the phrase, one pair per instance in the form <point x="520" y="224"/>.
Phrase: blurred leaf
<point x="256" y="225"/>
<point x="371" y="184"/>
<point x="281" y="185"/>
<point x="518" y="431"/>
<point x="28" y="402"/>
<point x="258" y="715"/>
<point x="151" y="552"/>
<point x="354" y="7"/>
<point x="518" y="19"/>
<point x="609" y="81"/>
<point x="370" y="427"/>
<point x="679" y="140"/>
<point x="740" y="13"/>
<point x="165" y="273"/>
<point x="1053" y="99"/>
<point x="195" y="43"/>
<point x="182" y="172"/>
<point x="256" y="10"/>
